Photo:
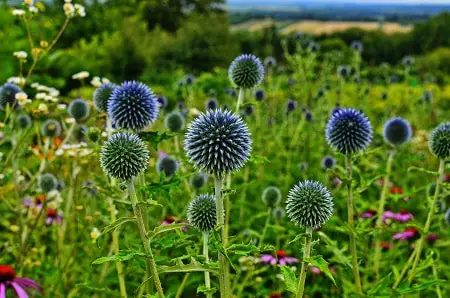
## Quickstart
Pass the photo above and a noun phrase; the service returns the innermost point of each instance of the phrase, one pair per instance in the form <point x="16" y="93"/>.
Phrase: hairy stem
<point x="223" y="272"/>
<point x="263" y="235"/>
<point x="304" y="270"/>
<point x="206" y="255"/>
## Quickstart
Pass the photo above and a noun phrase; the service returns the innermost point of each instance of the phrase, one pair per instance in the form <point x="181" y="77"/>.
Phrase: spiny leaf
<point x="418" y="169"/>
<point x="290" y="280"/>
<point x="122" y="256"/>
<point x="205" y="290"/>
<point x="112" y="227"/>
<point x="165" y="228"/>
<point x="194" y="266"/>
<point x="381" y="288"/>
<point x="320" y="263"/>
<point x="154" y="137"/>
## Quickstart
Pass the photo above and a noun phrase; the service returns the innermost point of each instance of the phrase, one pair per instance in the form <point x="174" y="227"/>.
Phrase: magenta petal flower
<point x="21" y="286"/>
<point x="282" y="260"/>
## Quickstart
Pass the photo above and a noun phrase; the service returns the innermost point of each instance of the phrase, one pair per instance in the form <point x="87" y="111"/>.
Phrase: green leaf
<point x="165" y="228"/>
<point x="290" y="280"/>
<point x="258" y="159"/>
<point x="338" y="253"/>
<point x="92" y="287"/>
<point x="418" y="169"/>
<point x="124" y="255"/>
<point x="154" y="137"/>
<point x="418" y="288"/>
<point x="320" y="263"/>
<point x="297" y="238"/>
<point x="194" y="266"/>
<point x="112" y="227"/>
<point x="242" y="249"/>
<point x="204" y="290"/>
<point x="381" y="288"/>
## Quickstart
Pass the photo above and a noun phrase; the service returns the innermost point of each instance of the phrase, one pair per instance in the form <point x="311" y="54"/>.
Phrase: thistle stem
<point x="405" y="268"/>
<point x="143" y="234"/>
<point x="206" y="255"/>
<point x="263" y="235"/>
<point x="304" y="270"/>
<point x="379" y="222"/>
<point x="240" y="99"/>
<point x="223" y="272"/>
<point x="348" y="164"/>
<point x="428" y="222"/>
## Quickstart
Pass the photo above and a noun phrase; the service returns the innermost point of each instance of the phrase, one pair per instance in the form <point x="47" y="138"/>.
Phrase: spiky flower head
<point x="201" y="212"/>
<point x="356" y="46"/>
<point x="320" y="93"/>
<point x="271" y="196"/>
<point x="24" y="121"/>
<point x="246" y="71"/>
<point x="167" y="165"/>
<point x="8" y="95"/>
<point x="348" y="131"/>
<point x="309" y="116"/>
<point x="47" y="182"/>
<point x="174" y="121"/>
<point x="198" y="180"/>
<point x="218" y="142"/>
<point x="291" y="105"/>
<point x="51" y="128"/>
<point x="270" y="61"/>
<point x="132" y="105"/>
<point x="408" y="61"/>
<point x="328" y="162"/>
<point x="259" y="94"/>
<point x="397" y="131"/>
<point x="79" y="109"/>
<point x="211" y="104"/>
<point x="124" y="156"/>
<point x="278" y="213"/>
<point x="162" y="101"/>
<point x="439" y="142"/>
<point x="102" y="95"/>
<point x="189" y="79"/>
<point x="343" y="71"/>
<point x="309" y="204"/>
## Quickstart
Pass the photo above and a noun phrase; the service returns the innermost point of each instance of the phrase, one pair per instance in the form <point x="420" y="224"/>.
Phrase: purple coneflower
<point x="281" y="258"/>
<point x="23" y="287"/>
<point x="408" y="234"/>
<point x="53" y="216"/>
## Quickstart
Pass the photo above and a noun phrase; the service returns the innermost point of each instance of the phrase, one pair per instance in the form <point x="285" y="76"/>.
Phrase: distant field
<point x="320" y="27"/>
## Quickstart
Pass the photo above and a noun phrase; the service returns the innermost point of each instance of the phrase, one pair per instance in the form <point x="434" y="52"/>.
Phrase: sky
<point x="347" y="1"/>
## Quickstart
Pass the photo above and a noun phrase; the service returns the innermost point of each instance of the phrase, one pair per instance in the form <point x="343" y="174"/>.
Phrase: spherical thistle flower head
<point x="174" y="121"/>
<point x="246" y="71"/>
<point x="133" y="106"/>
<point x="198" y="180"/>
<point x="167" y="165"/>
<point x="270" y="62"/>
<point x="309" y="204"/>
<point x="343" y="71"/>
<point x="320" y="93"/>
<point x="408" y="61"/>
<point x="356" y="46"/>
<point x="397" y="131"/>
<point x="80" y="133"/>
<point x="439" y="142"/>
<point x="24" y="121"/>
<point x="101" y="96"/>
<point x="189" y="79"/>
<point x="291" y="105"/>
<point x="328" y="162"/>
<point x="259" y="94"/>
<point x="248" y="111"/>
<point x="211" y="104"/>
<point x="79" y="109"/>
<point x="51" y="128"/>
<point x="309" y="116"/>
<point x="124" y="156"/>
<point x="8" y="95"/>
<point x="201" y="213"/>
<point x="278" y="213"/>
<point x="162" y="101"/>
<point x="47" y="182"/>
<point x="348" y="131"/>
<point x="218" y="142"/>
<point x="271" y="196"/>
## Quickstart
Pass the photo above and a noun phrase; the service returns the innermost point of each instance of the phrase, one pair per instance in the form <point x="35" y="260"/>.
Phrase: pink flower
<point x="337" y="181"/>
<point x="406" y="235"/>
<point x="315" y="270"/>
<point x="53" y="217"/>
<point x="21" y="286"/>
<point x="282" y="257"/>
<point x="402" y="216"/>
<point x="432" y="238"/>
<point x="368" y="214"/>
<point x="170" y="220"/>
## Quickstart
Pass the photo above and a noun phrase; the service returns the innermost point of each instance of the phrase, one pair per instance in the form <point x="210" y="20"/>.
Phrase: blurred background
<point x="151" y="40"/>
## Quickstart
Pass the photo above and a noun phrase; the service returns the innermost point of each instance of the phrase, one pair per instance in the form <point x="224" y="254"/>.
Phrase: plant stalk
<point x="206" y="255"/>
<point x="304" y="270"/>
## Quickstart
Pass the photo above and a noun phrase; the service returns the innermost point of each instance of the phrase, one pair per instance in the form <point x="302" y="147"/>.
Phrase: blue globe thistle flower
<point x="271" y="196"/>
<point x="8" y="95"/>
<point x="168" y="165"/>
<point x="133" y="106"/>
<point x="270" y="62"/>
<point x="211" y="104"/>
<point x="246" y="71"/>
<point x="356" y="46"/>
<point x="162" y="101"/>
<point x="303" y="166"/>
<point x="24" y="121"/>
<point x="278" y="213"/>
<point x="348" y="131"/>
<point x="80" y="133"/>
<point x="189" y="79"/>
<point x="201" y="212"/>
<point x="124" y="156"/>
<point x="309" y="204"/>
<point x="408" y="61"/>
<point x="102" y="95"/>
<point x="328" y="162"/>
<point x="51" y="128"/>
<point x="248" y="111"/>
<point x="439" y="142"/>
<point x="174" y="121"/>
<point x="198" y="180"/>
<point x="343" y="71"/>
<point x="336" y="109"/>
<point x="231" y="91"/>
<point x="291" y="105"/>
<point x="397" y="131"/>
<point x="47" y="182"/>
<point x="309" y="116"/>
<point x="427" y="96"/>
<point x="180" y="83"/>
<point x="320" y="93"/>
<point x="259" y="94"/>
<point x="218" y="142"/>
<point x="79" y="110"/>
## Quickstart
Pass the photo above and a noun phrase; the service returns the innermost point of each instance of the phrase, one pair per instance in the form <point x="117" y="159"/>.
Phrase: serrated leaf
<point x="381" y="288"/>
<point x="243" y="249"/>
<point x="194" y="266"/>
<point x="165" y="228"/>
<point x="122" y="256"/>
<point x="290" y="280"/>
<point x="297" y="238"/>
<point x="92" y="287"/>
<point x="204" y="290"/>
<point x="154" y="137"/>
<point x="319" y="262"/>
